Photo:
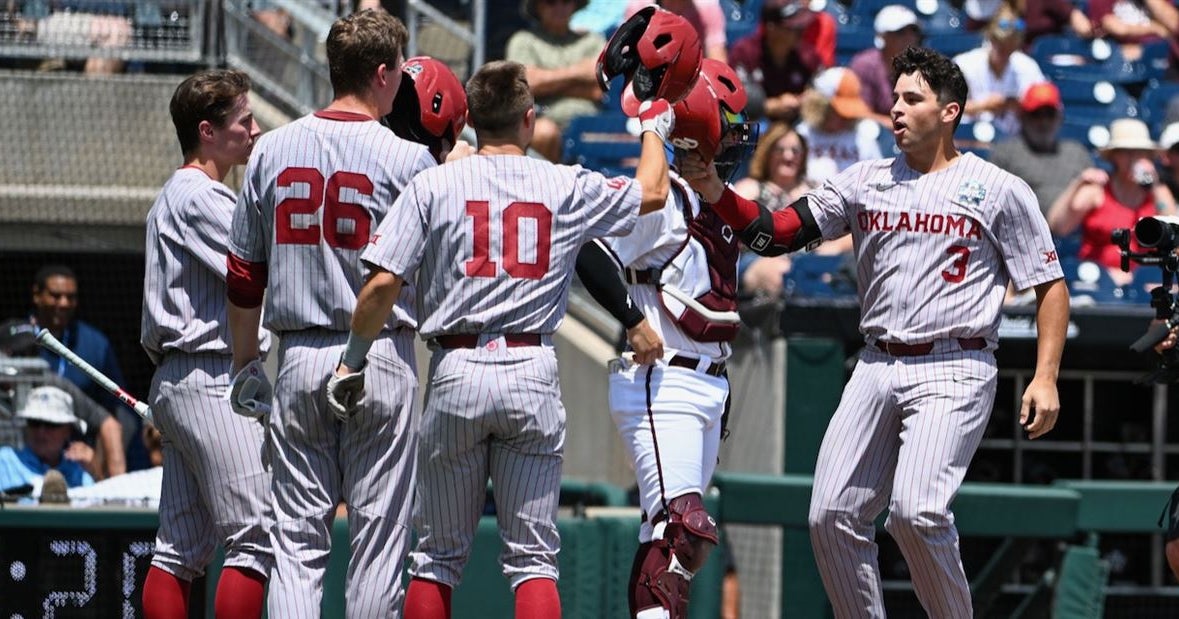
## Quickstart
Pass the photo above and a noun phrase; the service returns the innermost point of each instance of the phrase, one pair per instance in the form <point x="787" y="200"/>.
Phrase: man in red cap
<point x="1037" y="154"/>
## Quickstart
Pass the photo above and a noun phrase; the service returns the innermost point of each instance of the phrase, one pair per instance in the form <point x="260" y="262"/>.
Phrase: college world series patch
<point x="971" y="193"/>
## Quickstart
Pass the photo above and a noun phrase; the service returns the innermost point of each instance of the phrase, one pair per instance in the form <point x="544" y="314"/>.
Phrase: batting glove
<point x="345" y="394"/>
<point x="250" y="392"/>
<point x="657" y="117"/>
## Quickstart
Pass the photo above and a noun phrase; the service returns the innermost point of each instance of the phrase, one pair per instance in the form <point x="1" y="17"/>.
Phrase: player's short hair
<point x="359" y="43"/>
<point x="497" y="98"/>
<point x="41" y="278"/>
<point x="942" y="74"/>
<point x="759" y="163"/>
<point x="205" y="95"/>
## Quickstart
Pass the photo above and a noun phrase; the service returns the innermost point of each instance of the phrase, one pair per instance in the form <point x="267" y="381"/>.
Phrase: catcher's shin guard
<point x="663" y="569"/>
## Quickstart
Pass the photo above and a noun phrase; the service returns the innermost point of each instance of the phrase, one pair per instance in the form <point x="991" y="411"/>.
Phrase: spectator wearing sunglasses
<point x="998" y="73"/>
<point x="49" y="419"/>
<point x="559" y="63"/>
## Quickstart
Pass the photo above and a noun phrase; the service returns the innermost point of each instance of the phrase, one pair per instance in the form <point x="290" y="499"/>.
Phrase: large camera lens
<point x="1154" y="232"/>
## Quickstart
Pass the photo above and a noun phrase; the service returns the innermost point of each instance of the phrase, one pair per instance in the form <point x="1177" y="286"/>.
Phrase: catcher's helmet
<point x="711" y="120"/>
<point x="430" y="107"/>
<point x="657" y="51"/>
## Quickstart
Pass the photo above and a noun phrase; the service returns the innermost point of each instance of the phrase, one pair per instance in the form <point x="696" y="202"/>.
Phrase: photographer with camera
<point x="1097" y="202"/>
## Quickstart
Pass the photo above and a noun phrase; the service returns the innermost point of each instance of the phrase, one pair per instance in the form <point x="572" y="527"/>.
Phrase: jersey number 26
<point x="335" y="212"/>
<point x="481" y="264"/>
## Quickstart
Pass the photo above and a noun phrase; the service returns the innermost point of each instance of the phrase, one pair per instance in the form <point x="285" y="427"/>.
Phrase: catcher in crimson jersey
<point x="491" y="240"/>
<point x="314" y="193"/>
<point x="680" y="267"/>
<point x="937" y="235"/>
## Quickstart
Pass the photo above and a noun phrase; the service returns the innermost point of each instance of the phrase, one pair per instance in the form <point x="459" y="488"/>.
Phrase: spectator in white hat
<point x="1169" y="157"/>
<point x="48" y="414"/>
<point x="1095" y="203"/>
<point x="896" y="28"/>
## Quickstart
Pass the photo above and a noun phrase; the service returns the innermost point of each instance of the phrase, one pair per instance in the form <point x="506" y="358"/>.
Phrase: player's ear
<point x="951" y="111"/>
<point x="205" y="131"/>
<point x="530" y="117"/>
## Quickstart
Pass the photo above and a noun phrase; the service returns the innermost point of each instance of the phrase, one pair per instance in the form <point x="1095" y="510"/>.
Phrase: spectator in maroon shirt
<point x="772" y="62"/>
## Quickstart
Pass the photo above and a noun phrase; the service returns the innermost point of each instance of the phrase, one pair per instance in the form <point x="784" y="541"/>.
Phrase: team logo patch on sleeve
<point x="971" y="193"/>
<point x="761" y="241"/>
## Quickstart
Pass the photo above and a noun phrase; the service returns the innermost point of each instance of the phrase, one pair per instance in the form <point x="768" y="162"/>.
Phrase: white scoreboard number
<point x="58" y="573"/>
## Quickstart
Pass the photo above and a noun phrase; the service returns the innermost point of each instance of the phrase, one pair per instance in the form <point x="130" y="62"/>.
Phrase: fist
<point x="657" y="117"/>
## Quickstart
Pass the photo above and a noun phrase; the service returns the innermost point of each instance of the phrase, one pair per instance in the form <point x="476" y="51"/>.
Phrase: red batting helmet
<point x="711" y="120"/>
<point x="657" y="51"/>
<point x="431" y="105"/>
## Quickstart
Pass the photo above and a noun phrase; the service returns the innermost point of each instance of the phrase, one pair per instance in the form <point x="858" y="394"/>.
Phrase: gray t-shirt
<point x="1048" y="174"/>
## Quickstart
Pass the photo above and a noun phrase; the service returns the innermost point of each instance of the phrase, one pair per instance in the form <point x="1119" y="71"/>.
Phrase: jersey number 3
<point x="957" y="271"/>
<point x="336" y="214"/>
<point x="481" y="264"/>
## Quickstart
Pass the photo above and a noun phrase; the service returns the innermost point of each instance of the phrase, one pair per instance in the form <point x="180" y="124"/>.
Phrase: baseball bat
<point x="46" y="339"/>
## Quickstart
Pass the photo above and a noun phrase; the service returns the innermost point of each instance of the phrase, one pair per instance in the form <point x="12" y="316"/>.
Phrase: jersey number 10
<point x="481" y="264"/>
<point x="285" y="232"/>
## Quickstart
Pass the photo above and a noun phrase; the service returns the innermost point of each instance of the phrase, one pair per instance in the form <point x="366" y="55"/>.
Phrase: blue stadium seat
<point x="741" y="18"/>
<point x="850" y="40"/>
<point x="1095" y="102"/>
<point x="816" y="276"/>
<point x="1089" y="279"/>
<point x="1071" y="57"/>
<point x="840" y="12"/>
<point x="1146" y="278"/>
<point x="1152" y="103"/>
<point x="977" y="138"/>
<point x="887" y="143"/>
<point x="1154" y="62"/>
<point x="940" y="17"/>
<point x="952" y="43"/>
<point x="601" y="142"/>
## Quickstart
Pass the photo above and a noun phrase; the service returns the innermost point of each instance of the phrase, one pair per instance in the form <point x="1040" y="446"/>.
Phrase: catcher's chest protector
<point x="698" y="285"/>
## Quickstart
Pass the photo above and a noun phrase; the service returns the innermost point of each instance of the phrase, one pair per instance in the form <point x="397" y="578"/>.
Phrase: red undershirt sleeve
<point x="246" y="281"/>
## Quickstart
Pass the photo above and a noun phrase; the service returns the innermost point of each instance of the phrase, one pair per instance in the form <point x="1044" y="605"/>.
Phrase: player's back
<point x="502" y="236"/>
<point x="321" y="185"/>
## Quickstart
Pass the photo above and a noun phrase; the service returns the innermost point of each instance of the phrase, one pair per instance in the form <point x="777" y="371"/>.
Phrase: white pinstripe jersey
<point x="935" y="251"/>
<point x="493" y="240"/>
<point x="314" y="193"/>
<point x="658" y="237"/>
<point x="184" y="282"/>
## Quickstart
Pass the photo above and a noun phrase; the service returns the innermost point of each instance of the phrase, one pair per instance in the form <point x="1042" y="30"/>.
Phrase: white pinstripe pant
<point x="495" y="412"/>
<point x="368" y="463"/>
<point x="215" y="489"/>
<point x="903" y="436"/>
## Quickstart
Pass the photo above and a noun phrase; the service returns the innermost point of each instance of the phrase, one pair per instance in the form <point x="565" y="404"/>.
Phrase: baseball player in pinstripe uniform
<point x="314" y="193"/>
<point x="937" y="235"/>
<point x="680" y="264"/>
<point x="491" y="240"/>
<point x="215" y="489"/>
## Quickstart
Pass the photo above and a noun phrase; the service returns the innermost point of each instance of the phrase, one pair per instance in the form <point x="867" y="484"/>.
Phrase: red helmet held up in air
<point x="657" y="51"/>
<point x="430" y="107"/>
